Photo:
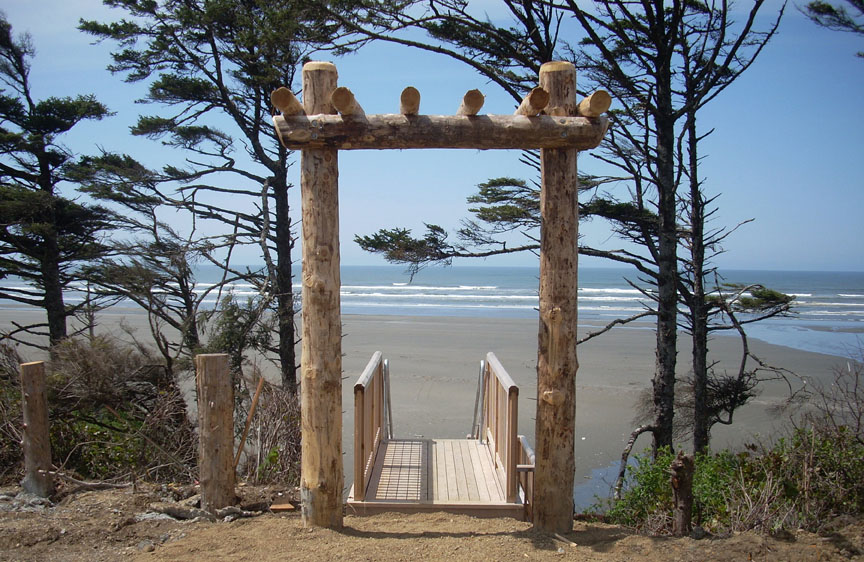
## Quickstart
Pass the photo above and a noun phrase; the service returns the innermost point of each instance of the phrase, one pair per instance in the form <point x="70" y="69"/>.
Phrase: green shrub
<point x="647" y="502"/>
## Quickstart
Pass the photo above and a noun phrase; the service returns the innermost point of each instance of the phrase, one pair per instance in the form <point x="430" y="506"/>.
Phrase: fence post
<point x="216" y="431"/>
<point x="36" y="434"/>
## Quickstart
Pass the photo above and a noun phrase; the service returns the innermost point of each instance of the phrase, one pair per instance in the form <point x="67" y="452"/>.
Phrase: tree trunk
<point x="37" y="440"/>
<point x="53" y="287"/>
<point x="556" y="362"/>
<point x="682" y="469"/>
<point x="667" y="268"/>
<point x="321" y="477"/>
<point x="285" y="285"/>
<point x="698" y="306"/>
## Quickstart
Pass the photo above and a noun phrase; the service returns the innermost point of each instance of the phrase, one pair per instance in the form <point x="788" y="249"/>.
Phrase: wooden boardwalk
<point x="492" y="476"/>
<point x="459" y="475"/>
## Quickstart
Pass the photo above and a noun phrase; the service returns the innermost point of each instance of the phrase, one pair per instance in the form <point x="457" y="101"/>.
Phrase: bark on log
<point x="472" y="103"/>
<point x="321" y="478"/>
<point x="285" y="101"/>
<point x="681" y="471"/>
<point x="596" y="104"/>
<point x="37" y="440"/>
<point x="535" y="102"/>
<point x="216" y="431"/>
<point x="556" y="362"/>
<point x="409" y="101"/>
<point x="439" y="131"/>
<point x="345" y="103"/>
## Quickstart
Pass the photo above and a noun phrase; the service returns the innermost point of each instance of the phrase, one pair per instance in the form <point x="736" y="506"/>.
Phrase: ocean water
<point x="828" y="318"/>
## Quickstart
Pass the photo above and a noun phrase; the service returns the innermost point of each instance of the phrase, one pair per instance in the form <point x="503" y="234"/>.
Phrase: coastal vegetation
<point x="117" y="409"/>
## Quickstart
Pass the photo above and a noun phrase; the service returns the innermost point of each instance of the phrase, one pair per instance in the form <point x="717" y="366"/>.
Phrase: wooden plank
<point x="443" y="473"/>
<point x="450" y="469"/>
<point x="441" y="492"/>
<point x="479" y="475"/>
<point x="375" y="477"/>
<point x="359" y="446"/>
<point x="427" y="473"/>
<point x="459" y="465"/>
<point x="516" y="511"/>
<point x="496" y="491"/>
<point x="467" y="461"/>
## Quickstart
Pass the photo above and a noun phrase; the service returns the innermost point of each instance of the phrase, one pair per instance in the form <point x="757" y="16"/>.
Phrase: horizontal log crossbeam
<point x="392" y="131"/>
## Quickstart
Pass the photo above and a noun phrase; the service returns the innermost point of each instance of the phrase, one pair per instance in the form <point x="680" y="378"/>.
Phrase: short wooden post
<point x="321" y="475"/>
<point x="37" y="440"/>
<point x="216" y="431"/>
<point x="556" y="361"/>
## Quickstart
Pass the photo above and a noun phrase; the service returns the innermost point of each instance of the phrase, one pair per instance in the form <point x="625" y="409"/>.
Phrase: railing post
<point x="512" y="443"/>
<point x="359" y="447"/>
<point x="216" y="427"/>
<point x="37" y="440"/>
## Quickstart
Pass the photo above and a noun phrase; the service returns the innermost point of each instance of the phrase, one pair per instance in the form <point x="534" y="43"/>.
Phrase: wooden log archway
<point x="331" y="119"/>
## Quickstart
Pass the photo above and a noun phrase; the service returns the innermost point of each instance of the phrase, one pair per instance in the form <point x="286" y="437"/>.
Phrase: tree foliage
<point x="837" y="17"/>
<point x="45" y="235"/>
<point x="210" y="67"/>
<point x="662" y="63"/>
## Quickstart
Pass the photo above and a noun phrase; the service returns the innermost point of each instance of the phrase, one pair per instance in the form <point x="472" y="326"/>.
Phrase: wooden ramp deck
<point x="470" y="476"/>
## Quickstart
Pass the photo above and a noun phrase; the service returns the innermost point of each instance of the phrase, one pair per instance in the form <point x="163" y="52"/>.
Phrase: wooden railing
<point x="370" y="421"/>
<point x="525" y="468"/>
<point x="500" y="417"/>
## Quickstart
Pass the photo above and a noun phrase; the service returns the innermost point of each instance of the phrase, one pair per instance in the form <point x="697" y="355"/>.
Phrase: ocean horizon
<point x="828" y="310"/>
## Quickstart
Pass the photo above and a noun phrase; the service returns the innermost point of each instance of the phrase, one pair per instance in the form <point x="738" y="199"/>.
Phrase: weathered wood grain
<point x="321" y="478"/>
<point x="556" y="361"/>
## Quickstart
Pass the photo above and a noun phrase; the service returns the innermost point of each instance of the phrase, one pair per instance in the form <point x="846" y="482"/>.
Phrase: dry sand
<point x="434" y="363"/>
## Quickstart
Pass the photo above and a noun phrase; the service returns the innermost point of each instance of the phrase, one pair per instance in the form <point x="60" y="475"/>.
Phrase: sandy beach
<point x="434" y="363"/>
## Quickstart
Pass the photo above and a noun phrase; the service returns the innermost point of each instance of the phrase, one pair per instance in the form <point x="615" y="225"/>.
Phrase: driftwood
<point x="248" y="421"/>
<point x="85" y="486"/>
<point x="183" y="512"/>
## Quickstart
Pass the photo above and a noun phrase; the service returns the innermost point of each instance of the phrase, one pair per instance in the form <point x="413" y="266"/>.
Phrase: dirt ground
<point x="126" y="524"/>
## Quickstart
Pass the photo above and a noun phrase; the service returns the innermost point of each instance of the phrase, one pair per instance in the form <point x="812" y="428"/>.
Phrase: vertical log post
<point x="321" y="477"/>
<point x="216" y="431"/>
<point x="37" y="441"/>
<point x="556" y="361"/>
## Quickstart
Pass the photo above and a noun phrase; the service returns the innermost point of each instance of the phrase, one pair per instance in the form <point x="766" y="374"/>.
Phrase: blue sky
<point x="786" y="150"/>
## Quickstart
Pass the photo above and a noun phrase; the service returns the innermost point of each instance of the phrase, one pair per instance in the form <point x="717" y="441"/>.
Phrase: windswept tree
<point x="210" y="67"/>
<point x="46" y="234"/>
<point x="837" y="17"/>
<point x="638" y="52"/>
<point x="153" y="265"/>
